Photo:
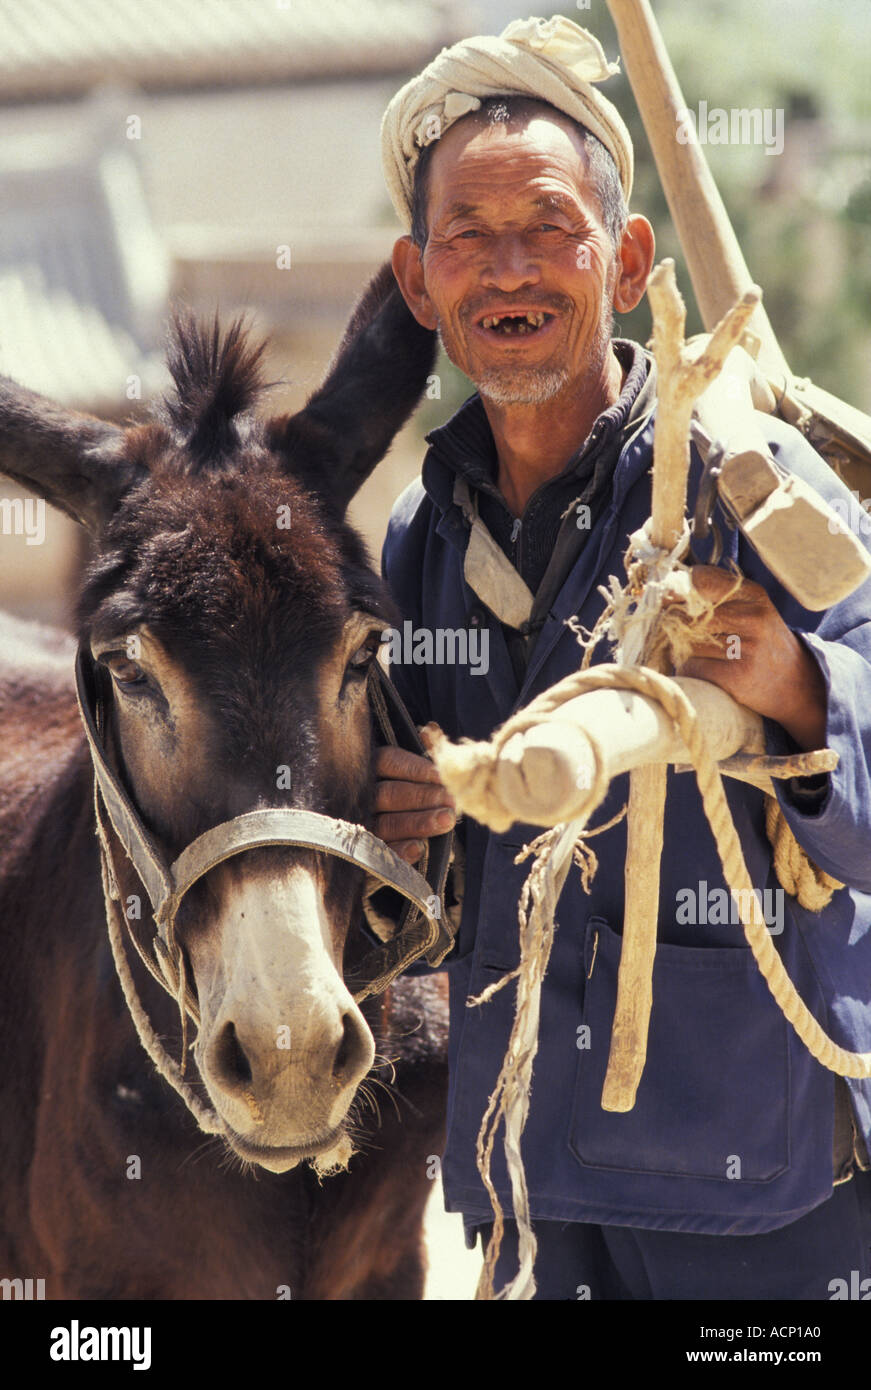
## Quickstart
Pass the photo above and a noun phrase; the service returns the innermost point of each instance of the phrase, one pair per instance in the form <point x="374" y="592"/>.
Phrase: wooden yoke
<point x="800" y="539"/>
<point x="681" y="379"/>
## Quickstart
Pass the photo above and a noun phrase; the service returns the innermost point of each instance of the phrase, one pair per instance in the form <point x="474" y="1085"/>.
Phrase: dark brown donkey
<point x="232" y="614"/>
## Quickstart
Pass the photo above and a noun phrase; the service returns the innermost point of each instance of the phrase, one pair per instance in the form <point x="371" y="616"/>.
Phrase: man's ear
<point x="408" y="269"/>
<point x="635" y="262"/>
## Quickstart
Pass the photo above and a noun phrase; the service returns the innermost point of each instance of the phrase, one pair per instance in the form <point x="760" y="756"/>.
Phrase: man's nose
<point x="509" y="264"/>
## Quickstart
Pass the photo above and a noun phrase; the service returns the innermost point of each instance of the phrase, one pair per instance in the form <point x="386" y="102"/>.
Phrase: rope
<point x="472" y="767"/>
<point x="816" y="1040"/>
<point x="678" y="708"/>
<point x="510" y="1098"/>
<point x="643" y="630"/>
<point x="207" y="1118"/>
<point x="796" y="871"/>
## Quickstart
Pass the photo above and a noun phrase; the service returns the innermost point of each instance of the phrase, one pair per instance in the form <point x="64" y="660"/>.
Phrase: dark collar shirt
<point x="545" y="542"/>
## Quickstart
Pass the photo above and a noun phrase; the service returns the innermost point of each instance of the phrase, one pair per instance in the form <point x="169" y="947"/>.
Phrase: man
<point x="742" y="1170"/>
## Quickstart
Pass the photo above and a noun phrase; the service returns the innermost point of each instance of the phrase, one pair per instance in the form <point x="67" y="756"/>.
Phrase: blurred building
<point x="224" y="153"/>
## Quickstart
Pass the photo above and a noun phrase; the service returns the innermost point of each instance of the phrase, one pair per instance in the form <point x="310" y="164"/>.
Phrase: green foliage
<point x="803" y="218"/>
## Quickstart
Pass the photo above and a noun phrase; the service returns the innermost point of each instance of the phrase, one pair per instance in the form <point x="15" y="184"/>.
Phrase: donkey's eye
<point x="363" y="657"/>
<point x="124" y="671"/>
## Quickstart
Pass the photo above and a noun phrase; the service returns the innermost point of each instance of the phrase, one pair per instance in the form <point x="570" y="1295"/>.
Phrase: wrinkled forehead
<point x="534" y="149"/>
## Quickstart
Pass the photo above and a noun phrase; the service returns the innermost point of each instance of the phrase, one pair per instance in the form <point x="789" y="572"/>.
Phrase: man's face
<point x="514" y="230"/>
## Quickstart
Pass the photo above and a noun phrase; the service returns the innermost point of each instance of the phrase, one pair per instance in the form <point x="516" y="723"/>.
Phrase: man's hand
<point x="760" y="661"/>
<point x="410" y="802"/>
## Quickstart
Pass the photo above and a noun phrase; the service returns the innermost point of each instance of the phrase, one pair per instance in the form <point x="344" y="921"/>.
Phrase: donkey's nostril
<point x="351" y="1052"/>
<point x="230" y="1062"/>
<point x="341" y="1059"/>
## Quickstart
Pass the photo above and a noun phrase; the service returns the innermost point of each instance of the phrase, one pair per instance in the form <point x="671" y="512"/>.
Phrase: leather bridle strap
<point x="307" y="830"/>
<point x="145" y="855"/>
<point x="427" y="934"/>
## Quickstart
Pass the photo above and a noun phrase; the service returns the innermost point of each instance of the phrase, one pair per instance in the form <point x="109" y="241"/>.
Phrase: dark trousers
<point x="823" y="1254"/>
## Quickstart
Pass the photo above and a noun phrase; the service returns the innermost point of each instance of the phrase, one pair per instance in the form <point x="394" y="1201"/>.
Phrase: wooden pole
<point x="716" y="264"/>
<point x="719" y="277"/>
<point x="681" y="379"/>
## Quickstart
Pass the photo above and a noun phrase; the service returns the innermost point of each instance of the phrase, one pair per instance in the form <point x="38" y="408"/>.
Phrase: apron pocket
<point x="714" y="1098"/>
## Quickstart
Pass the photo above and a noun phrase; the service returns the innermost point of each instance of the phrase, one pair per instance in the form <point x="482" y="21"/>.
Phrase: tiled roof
<point x="68" y="46"/>
<point x="55" y="341"/>
<point x="84" y="277"/>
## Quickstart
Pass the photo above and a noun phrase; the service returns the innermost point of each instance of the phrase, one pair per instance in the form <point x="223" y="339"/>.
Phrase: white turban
<point x="550" y="60"/>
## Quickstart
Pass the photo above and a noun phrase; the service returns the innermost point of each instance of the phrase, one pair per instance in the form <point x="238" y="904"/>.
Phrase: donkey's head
<point x="235" y="615"/>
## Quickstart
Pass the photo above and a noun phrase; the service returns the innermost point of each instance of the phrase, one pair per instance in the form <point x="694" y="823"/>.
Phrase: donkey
<point x="230" y="617"/>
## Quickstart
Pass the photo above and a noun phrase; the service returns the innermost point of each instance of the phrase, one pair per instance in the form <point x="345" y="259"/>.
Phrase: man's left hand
<point x="760" y="662"/>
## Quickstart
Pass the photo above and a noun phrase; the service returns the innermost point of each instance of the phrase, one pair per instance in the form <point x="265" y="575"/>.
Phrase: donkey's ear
<point x="373" y="384"/>
<point x="74" y="461"/>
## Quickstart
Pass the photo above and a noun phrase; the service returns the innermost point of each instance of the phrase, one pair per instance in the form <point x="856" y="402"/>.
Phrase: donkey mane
<point x="218" y="378"/>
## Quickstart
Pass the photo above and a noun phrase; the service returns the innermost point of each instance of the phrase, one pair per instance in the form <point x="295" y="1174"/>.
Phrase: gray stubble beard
<point x="526" y="386"/>
<point x="504" y="386"/>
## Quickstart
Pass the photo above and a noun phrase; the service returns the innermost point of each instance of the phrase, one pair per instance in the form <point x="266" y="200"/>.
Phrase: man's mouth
<point x="517" y="325"/>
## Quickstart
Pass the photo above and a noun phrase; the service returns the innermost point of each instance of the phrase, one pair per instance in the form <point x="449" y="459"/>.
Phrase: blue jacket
<point x="732" y="1130"/>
